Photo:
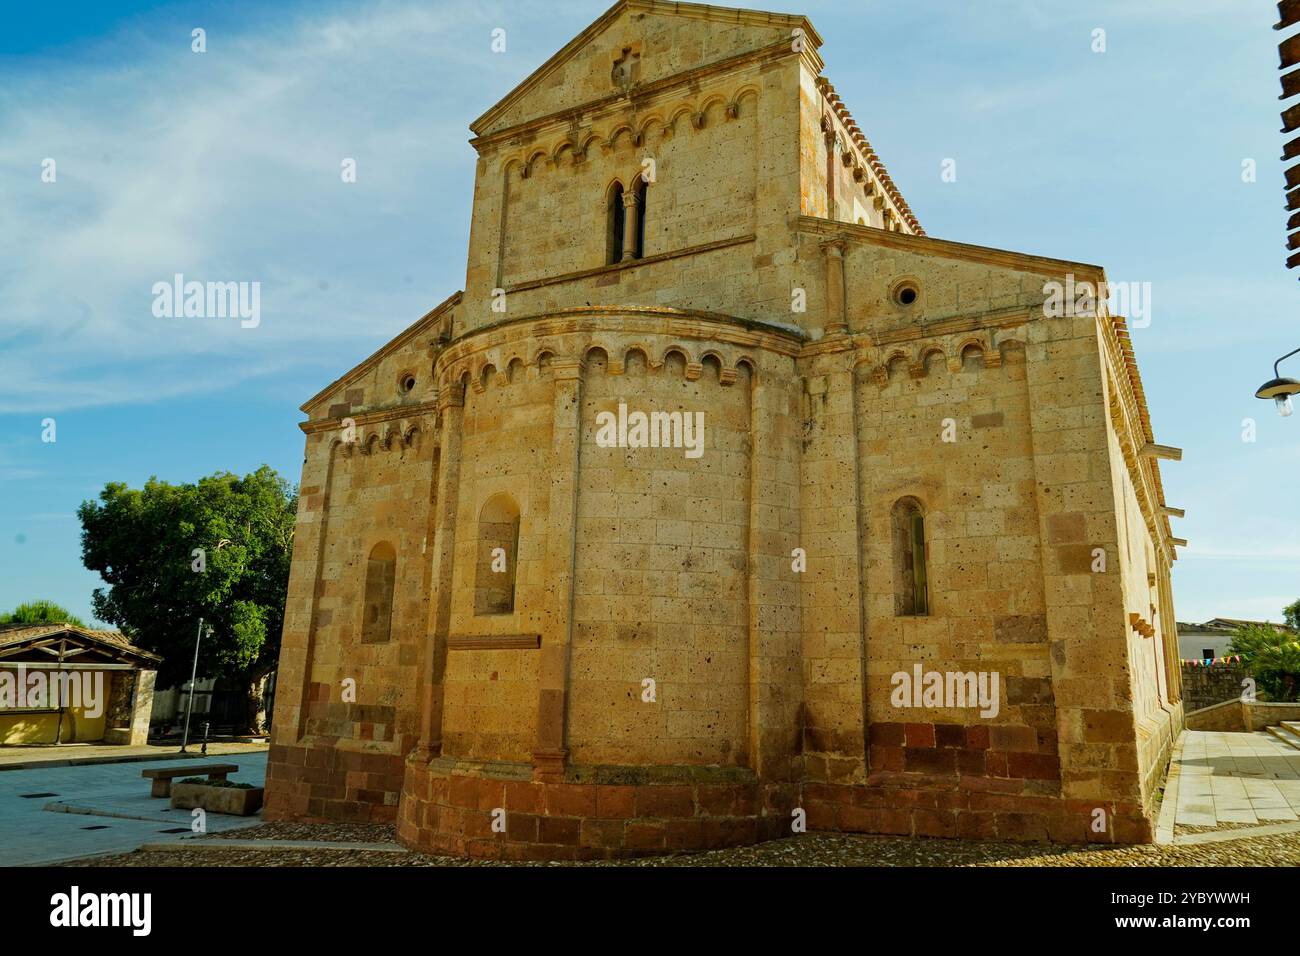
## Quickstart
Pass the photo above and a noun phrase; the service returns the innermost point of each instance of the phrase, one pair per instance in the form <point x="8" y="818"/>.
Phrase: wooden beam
<point x="1169" y="452"/>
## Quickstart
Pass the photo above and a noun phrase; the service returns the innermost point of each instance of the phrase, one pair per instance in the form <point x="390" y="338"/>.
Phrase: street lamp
<point x="194" y="669"/>
<point x="1280" y="389"/>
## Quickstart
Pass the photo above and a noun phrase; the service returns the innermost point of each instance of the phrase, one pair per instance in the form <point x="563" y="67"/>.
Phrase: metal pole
<point x="193" y="673"/>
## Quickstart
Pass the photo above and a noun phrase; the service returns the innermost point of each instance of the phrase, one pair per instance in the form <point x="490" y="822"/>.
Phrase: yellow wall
<point x="38" y="727"/>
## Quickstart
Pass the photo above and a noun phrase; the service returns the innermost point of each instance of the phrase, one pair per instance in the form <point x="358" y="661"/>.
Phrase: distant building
<point x="1198" y="642"/>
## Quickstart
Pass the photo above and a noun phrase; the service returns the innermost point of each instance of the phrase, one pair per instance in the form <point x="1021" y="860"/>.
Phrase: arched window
<point x="377" y="607"/>
<point x="498" y="554"/>
<point x="911" y="584"/>
<point x="614" y="225"/>
<point x="642" y="191"/>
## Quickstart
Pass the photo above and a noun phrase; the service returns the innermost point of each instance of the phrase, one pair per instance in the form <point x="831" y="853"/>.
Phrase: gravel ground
<point x="331" y="832"/>
<point x="808" y="850"/>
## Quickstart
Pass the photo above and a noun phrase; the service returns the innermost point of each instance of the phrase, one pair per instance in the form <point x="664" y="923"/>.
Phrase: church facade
<point x="723" y="501"/>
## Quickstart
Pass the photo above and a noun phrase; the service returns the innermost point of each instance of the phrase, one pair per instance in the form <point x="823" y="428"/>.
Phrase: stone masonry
<point x="518" y="638"/>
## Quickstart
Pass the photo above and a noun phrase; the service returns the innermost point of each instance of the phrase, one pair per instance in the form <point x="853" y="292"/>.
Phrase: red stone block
<point x="491" y="794"/>
<point x="561" y="830"/>
<point x="1033" y="766"/>
<point x="976" y="825"/>
<point x="895" y="822"/>
<point x="886" y="758"/>
<point x="820" y="815"/>
<point x="522" y="827"/>
<point x="683" y="835"/>
<point x="851" y="819"/>
<point x="1022" y="827"/>
<point x="1066" y="827"/>
<point x="949" y="735"/>
<point x="463" y="792"/>
<point x="643" y="836"/>
<point x="972" y="762"/>
<point x="977" y="737"/>
<point x="660" y="800"/>
<point x="919" y="735"/>
<point x="935" y="823"/>
<point x="615" y="802"/>
<point x="570" y="799"/>
<point x="602" y="833"/>
<point x="930" y="760"/>
<point x="886" y="735"/>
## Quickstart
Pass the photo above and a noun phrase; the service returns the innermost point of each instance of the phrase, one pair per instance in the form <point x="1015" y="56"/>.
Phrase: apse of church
<point x="724" y="501"/>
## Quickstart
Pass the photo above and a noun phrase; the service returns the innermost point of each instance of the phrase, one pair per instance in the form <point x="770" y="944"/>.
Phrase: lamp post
<point x="194" y="668"/>
<point x="1280" y="389"/>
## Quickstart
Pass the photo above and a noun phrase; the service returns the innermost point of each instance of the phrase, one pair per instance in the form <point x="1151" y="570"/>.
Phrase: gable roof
<point x="699" y="11"/>
<point x="18" y="638"/>
<point x="1233" y="623"/>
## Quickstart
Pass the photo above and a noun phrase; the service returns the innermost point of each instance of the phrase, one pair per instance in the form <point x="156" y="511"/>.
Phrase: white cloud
<point x="225" y="166"/>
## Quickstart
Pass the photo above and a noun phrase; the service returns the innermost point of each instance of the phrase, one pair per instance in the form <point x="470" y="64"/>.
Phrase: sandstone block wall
<point x="757" y="586"/>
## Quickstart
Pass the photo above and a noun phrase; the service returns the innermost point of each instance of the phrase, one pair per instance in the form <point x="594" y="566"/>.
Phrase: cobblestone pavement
<point x="809" y="850"/>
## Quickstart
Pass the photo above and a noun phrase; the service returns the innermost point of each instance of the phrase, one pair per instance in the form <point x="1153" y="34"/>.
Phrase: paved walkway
<point x="67" y="755"/>
<point x="54" y="813"/>
<point x="1230" y="781"/>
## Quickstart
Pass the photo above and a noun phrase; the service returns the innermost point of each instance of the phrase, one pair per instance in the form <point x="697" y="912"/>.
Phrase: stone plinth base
<point x="978" y="808"/>
<point x="450" y="807"/>
<point x="315" y="781"/>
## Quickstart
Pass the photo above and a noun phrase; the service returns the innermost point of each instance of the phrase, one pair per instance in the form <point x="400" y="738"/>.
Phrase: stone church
<point x="723" y="501"/>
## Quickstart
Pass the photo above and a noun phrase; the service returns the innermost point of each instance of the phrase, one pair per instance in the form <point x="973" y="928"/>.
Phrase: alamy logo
<point x="651" y="430"/>
<point x="946" y="689"/>
<point x="102" y="909"/>
<point x="21" y="689"/>
<point x="179" y="299"/>
<point x="1071" y="299"/>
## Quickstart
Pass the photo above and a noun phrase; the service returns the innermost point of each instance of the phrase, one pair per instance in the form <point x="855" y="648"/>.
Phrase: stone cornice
<point x="1135" y="423"/>
<point x="945" y="248"/>
<point x="372" y="417"/>
<point x="630" y="263"/>
<point x="659" y="321"/>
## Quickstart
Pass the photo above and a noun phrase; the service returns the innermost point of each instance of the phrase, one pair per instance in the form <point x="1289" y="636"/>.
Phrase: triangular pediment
<point x="634" y="44"/>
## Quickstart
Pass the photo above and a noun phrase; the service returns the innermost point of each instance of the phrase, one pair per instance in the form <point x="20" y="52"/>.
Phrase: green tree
<point x="1291" y="614"/>
<point x="1272" y="657"/>
<point x="40" y="612"/>
<point x="218" y="550"/>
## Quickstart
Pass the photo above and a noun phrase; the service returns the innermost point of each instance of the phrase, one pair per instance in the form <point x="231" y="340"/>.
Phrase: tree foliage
<point x="40" y="612"/>
<point x="218" y="550"/>
<point x="1272" y="657"/>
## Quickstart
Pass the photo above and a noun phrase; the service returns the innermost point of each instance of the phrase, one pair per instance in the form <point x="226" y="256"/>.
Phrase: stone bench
<point x="162" y="776"/>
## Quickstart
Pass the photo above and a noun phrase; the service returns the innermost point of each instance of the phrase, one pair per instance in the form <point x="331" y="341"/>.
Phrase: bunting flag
<point x="1210" y="661"/>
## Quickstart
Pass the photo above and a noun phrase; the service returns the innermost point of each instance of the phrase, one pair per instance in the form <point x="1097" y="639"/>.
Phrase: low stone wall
<point x="1207" y="685"/>
<point x="1239" y="716"/>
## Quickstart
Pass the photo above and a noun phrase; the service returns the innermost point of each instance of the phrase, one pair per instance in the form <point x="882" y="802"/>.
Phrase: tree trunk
<point x="250" y="719"/>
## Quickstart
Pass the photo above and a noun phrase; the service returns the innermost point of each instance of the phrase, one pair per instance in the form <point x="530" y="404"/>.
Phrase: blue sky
<point x="227" y="164"/>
